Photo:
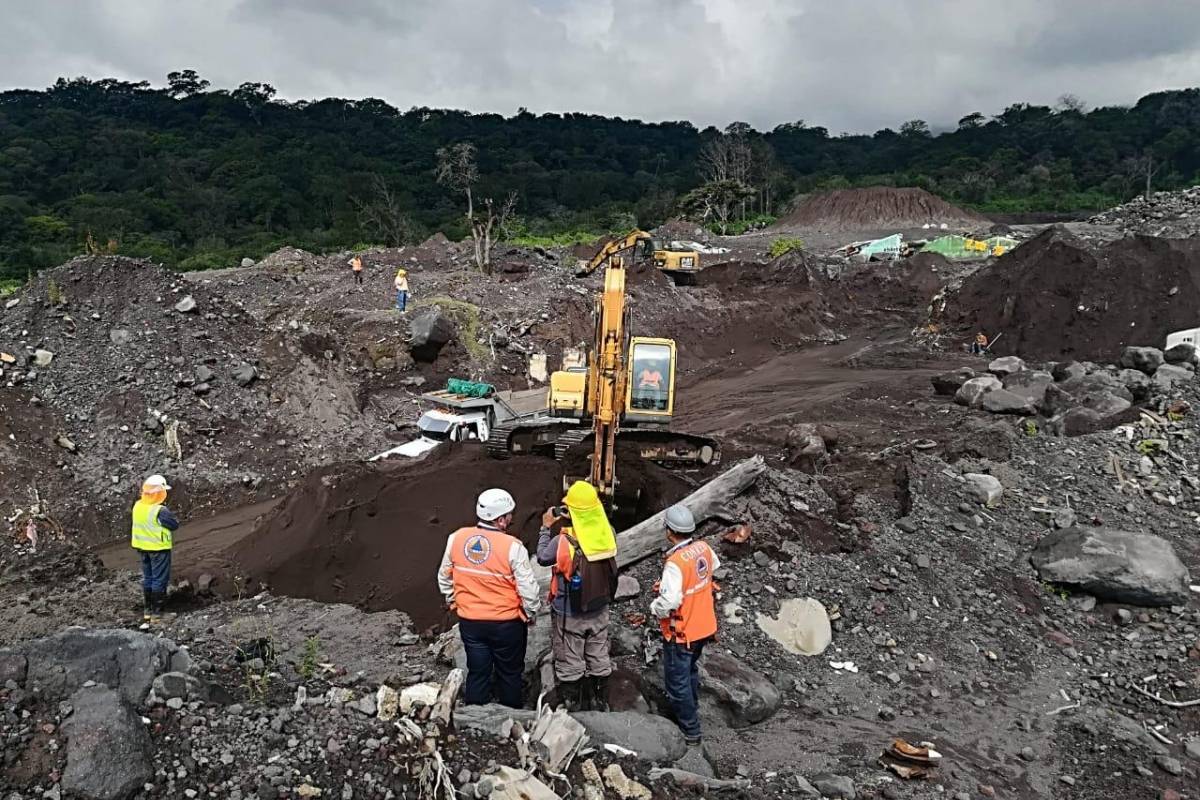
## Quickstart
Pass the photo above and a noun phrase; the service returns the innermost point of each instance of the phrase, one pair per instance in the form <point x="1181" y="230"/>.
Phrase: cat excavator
<point x="681" y="264"/>
<point x="625" y="394"/>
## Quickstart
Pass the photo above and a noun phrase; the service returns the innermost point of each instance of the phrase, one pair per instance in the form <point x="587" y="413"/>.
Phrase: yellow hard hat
<point x="401" y="272"/>
<point x="581" y="496"/>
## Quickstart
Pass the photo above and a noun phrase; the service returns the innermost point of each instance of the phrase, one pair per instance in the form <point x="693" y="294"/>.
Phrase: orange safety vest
<point x="696" y="617"/>
<point x="485" y="588"/>
<point x="650" y="380"/>
<point x="981" y="339"/>
<point x="564" y="564"/>
<point x="356" y="264"/>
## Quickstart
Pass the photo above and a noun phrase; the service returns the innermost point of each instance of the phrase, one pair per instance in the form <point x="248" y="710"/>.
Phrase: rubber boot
<point x="585" y="694"/>
<point x="147" y="605"/>
<point x="157" y="600"/>
<point x="599" y="693"/>
<point x="570" y="695"/>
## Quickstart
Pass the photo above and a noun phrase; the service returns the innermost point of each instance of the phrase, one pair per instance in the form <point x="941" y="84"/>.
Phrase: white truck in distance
<point x="462" y="418"/>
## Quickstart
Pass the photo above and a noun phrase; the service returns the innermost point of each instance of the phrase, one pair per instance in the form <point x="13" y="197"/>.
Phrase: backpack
<point x="598" y="581"/>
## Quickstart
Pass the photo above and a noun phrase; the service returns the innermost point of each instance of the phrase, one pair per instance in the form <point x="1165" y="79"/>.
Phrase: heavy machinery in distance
<point x="680" y="264"/>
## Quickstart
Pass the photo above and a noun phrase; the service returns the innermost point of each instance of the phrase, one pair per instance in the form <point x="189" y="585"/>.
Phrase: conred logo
<point x="702" y="567"/>
<point x="477" y="549"/>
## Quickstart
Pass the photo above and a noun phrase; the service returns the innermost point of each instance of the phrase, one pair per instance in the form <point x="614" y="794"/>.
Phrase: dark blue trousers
<point x="681" y="674"/>
<point x="495" y="661"/>
<point x="156" y="570"/>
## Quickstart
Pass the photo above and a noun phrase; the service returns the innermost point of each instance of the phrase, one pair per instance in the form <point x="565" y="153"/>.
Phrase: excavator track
<point x="662" y="446"/>
<point x="526" y="437"/>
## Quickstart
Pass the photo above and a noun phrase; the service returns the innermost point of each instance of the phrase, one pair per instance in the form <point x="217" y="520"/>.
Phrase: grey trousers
<point x="580" y="646"/>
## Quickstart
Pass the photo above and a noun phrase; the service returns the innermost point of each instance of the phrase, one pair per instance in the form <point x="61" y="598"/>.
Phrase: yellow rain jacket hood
<point x="589" y="523"/>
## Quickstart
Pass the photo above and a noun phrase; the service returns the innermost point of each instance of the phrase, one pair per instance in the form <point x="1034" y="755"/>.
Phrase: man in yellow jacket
<point x="152" y="536"/>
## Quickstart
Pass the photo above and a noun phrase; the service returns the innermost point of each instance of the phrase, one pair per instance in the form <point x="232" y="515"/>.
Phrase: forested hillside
<point x="199" y="178"/>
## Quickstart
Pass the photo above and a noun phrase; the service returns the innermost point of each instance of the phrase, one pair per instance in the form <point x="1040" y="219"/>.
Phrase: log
<point x="647" y="537"/>
<point x="690" y="780"/>
<point x="443" y="707"/>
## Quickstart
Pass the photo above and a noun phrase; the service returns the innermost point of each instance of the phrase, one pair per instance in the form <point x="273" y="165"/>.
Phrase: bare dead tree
<point x="456" y="169"/>
<point x="382" y="213"/>
<point x="1143" y="167"/>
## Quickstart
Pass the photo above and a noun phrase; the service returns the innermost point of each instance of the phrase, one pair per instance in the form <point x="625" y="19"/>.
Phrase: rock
<point x="805" y="788"/>
<point x="201" y="389"/>
<point x="365" y="705"/>
<point x="1146" y="359"/>
<point x="387" y="702"/>
<point x="244" y="374"/>
<point x="247" y="262"/>
<point x="42" y="358"/>
<point x="120" y="336"/>
<point x="745" y="695"/>
<point x="802" y="626"/>
<point x="625" y="641"/>
<point x="627" y="587"/>
<point x="1105" y="403"/>
<point x="1137" y="382"/>
<point x="429" y="331"/>
<point x="1192" y="748"/>
<point x="971" y="393"/>
<point x="1030" y="384"/>
<point x="653" y="738"/>
<point x="204" y="583"/>
<point x="805" y="446"/>
<point x="187" y="305"/>
<point x="834" y="786"/>
<point x="1002" y="401"/>
<point x="948" y="383"/>
<point x="1180" y="354"/>
<point x="1120" y="566"/>
<point x="1168" y="375"/>
<point x="492" y="718"/>
<point x="515" y="784"/>
<point x="13" y="303"/>
<point x="987" y="489"/>
<point x="1068" y="370"/>
<point x="1056" y="400"/>
<point x="108" y="749"/>
<point x="171" y="684"/>
<point x="696" y="763"/>
<point x="1006" y="366"/>
<point x="204" y="374"/>
<point x="126" y="661"/>
<point x="13" y="667"/>
<point x="1169" y="765"/>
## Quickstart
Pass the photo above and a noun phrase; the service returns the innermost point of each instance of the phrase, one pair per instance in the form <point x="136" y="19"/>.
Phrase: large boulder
<point x="744" y="695"/>
<point x="125" y="661"/>
<point x="1056" y="400"/>
<point x="1104" y="403"/>
<point x="1120" y="566"/>
<point x="802" y="627"/>
<point x="1067" y="370"/>
<point x="987" y="489"/>
<point x="1097" y="382"/>
<point x="652" y="737"/>
<point x="1075" y="422"/>
<point x="1002" y="401"/>
<point x="1137" y="382"/>
<point x="948" y="383"/>
<point x="108" y="748"/>
<point x="429" y="331"/>
<point x="1183" y="353"/>
<point x="805" y="446"/>
<point x="971" y="393"/>
<point x="1006" y="365"/>
<point x="1146" y="359"/>
<point x="1031" y="383"/>
<point x="1168" y="376"/>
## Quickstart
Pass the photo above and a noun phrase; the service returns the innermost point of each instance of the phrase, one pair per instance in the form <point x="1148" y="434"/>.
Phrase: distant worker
<point x="583" y="562"/>
<point x="401" y="290"/>
<point x="650" y="378"/>
<point x="650" y="387"/>
<point x="152" y="536"/>
<point x="687" y="615"/>
<point x="488" y="582"/>
<point x="356" y="266"/>
<point x="980" y="345"/>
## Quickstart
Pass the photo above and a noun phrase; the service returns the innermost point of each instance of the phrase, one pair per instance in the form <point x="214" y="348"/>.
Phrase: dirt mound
<point x="1059" y="297"/>
<point x="875" y="207"/>
<point x="291" y="259"/>
<point x="904" y="284"/>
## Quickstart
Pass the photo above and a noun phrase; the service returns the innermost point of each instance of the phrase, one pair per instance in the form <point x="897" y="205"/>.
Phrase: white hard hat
<point x="680" y="519"/>
<point x="156" y="482"/>
<point x="493" y="504"/>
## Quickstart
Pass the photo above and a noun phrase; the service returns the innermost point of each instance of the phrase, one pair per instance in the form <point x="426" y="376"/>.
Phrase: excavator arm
<point x="607" y="382"/>
<point x="629" y="240"/>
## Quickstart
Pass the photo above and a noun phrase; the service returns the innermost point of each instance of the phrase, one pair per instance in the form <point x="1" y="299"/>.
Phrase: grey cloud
<point x="850" y="66"/>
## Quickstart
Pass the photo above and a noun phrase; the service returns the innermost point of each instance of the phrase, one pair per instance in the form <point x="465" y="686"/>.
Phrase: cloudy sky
<point x="850" y="65"/>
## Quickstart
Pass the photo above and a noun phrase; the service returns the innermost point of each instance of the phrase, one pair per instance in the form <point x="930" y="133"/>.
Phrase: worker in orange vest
<point x="687" y="615"/>
<point x="356" y="265"/>
<point x="981" y="344"/>
<point x="488" y="581"/>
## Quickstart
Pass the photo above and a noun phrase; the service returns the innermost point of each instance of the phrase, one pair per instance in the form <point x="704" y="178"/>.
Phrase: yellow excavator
<point x="678" y="263"/>
<point x="624" y="393"/>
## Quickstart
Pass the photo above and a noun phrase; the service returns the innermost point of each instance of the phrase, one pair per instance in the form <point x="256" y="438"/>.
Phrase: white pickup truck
<point x="462" y="418"/>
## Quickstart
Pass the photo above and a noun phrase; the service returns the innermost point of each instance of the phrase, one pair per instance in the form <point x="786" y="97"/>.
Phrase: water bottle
<point x="576" y="582"/>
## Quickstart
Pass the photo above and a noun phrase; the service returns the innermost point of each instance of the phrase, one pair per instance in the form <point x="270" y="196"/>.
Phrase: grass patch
<point x="565" y="239"/>
<point x="469" y="324"/>
<point x="785" y="244"/>
<point x="8" y="287"/>
<point x="310" y="659"/>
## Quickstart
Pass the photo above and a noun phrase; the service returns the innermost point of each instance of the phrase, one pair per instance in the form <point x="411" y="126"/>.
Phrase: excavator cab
<point x="651" y="385"/>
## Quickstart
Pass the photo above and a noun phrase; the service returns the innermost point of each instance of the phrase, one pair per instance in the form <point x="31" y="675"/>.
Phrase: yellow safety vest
<point x="147" y="533"/>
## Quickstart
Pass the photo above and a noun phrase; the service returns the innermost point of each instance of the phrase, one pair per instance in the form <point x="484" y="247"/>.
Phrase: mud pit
<point x="372" y="535"/>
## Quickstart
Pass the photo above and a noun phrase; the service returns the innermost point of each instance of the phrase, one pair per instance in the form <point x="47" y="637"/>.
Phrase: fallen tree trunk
<point x="647" y="537"/>
<point x="443" y="707"/>
<point x="690" y="780"/>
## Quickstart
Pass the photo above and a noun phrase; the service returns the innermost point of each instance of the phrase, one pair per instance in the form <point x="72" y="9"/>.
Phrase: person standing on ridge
<point x="152" y="536"/>
<point x="356" y="266"/>
<point x="687" y="615"/>
<point x="583" y="581"/>
<point x="401" y="284"/>
<point x="487" y="580"/>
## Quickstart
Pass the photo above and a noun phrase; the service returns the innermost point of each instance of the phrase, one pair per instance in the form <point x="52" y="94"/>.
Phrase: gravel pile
<point x="1173" y="214"/>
